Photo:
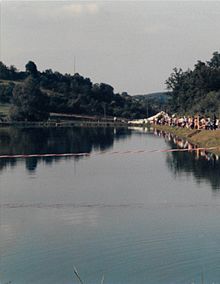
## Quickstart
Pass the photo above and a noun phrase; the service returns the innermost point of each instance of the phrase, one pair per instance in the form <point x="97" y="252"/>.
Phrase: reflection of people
<point x="214" y="121"/>
<point x="217" y="123"/>
<point x="190" y="146"/>
<point x="204" y="165"/>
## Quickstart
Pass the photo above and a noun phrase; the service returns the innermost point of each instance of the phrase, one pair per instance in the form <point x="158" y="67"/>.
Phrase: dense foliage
<point x="67" y="93"/>
<point x="6" y="91"/>
<point x="197" y="90"/>
<point x="29" y="102"/>
<point x="157" y="101"/>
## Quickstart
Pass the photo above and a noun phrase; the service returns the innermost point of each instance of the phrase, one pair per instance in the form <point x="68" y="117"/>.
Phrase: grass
<point x="6" y="82"/>
<point x="4" y="109"/>
<point x="200" y="138"/>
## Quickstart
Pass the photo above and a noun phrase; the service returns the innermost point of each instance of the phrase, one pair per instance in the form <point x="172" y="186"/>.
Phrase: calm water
<point x="136" y="218"/>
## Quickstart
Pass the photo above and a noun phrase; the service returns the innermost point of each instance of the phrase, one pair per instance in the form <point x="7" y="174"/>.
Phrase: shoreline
<point x="67" y="123"/>
<point x="199" y="138"/>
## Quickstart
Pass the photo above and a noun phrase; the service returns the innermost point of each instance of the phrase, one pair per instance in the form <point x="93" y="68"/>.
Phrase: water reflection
<point x="202" y="164"/>
<point x="16" y="141"/>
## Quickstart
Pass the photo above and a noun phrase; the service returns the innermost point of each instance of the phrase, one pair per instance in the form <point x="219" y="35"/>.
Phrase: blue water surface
<point x="151" y="217"/>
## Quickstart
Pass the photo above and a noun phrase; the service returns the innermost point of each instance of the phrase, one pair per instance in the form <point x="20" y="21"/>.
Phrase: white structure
<point x="147" y="120"/>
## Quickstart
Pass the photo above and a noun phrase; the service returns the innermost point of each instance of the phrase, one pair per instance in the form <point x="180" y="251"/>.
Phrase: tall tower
<point x="1" y="7"/>
<point x="74" y="66"/>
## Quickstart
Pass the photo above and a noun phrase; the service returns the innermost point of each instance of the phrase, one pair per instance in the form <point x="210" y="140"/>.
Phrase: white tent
<point x="147" y="120"/>
<point x="159" y="114"/>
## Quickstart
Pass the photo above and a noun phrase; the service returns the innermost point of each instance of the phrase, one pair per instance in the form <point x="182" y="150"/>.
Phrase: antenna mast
<point x="74" y="65"/>
<point x="1" y="7"/>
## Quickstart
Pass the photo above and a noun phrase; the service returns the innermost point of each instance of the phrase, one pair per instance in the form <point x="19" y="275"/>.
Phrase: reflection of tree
<point x="54" y="140"/>
<point x="205" y="166"/>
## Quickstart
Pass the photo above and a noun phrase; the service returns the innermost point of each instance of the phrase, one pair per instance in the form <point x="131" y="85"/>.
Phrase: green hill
<point x="158" y="101"/>
<point x="70" y="94"/>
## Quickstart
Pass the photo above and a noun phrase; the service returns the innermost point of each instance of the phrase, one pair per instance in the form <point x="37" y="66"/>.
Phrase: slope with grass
<point x="4" y="109"/>
<point x="200" y="138"/>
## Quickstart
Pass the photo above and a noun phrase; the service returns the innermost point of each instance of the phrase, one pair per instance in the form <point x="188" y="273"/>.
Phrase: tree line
<point x="196" y="91"/>
<point x="34" y="94"/>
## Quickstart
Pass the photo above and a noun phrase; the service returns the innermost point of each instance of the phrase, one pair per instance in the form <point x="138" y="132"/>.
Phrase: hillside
<point x="163" y="97"/>
<point x="158" y="101"/>
<point x="71" y="94"/>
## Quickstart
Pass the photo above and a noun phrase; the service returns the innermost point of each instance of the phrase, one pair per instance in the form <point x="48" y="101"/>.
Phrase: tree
<point x="4" y="71"/>
<point x="197" y="90"/>
<point x="215" y="60"/>
<point x="31" y="68"/>
<point x="67" y="94"/>
<point x="6" y="92"/>
<point x="29" y="102"/>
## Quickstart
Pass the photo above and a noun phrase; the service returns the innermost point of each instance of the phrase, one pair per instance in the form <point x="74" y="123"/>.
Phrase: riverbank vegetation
<point x="196" y="94"/>
<point x="196" y="91"/>
<point x="200" y="138"/>
<point x="191" y="92"/>
<point x="70" y="94"/>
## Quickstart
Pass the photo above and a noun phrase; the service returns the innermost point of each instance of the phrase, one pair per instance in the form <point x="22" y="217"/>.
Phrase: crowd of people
<point x="192" y="122"/>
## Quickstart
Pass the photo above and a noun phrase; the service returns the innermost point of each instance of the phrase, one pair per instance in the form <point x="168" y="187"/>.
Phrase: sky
<point x="131" y="45"/>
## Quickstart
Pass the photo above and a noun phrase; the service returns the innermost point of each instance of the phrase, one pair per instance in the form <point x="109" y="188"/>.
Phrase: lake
<point x="132" y="216"/>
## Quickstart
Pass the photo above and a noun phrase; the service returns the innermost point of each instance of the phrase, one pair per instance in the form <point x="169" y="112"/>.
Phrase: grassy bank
<point x="4" y="109"/>
<point x="200" y="138"/>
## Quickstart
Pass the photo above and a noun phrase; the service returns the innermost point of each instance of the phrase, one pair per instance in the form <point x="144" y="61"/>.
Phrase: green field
<point x="4" y="109"/>
<point x="6" y="82"/>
